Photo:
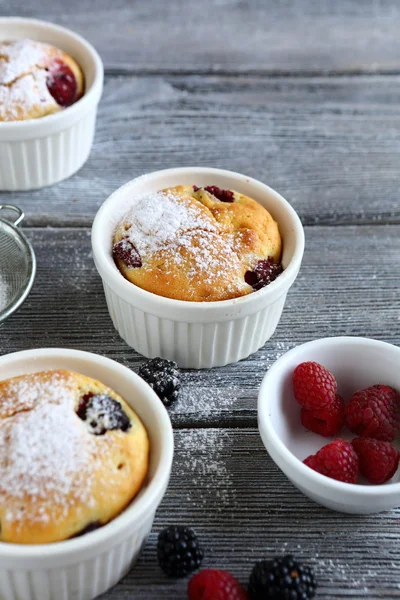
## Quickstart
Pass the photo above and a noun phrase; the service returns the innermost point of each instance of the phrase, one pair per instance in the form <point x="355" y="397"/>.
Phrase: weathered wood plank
<point x="244" y="509"/>
<point x="232" y="35"/>
<point x="348" y="285"/>
<point x="332" y="147"/>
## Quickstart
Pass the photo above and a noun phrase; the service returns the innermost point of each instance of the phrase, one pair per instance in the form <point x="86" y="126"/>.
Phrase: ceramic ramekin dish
<point x="40" y="152"/>
<point x="357" y="363"/>
<point x="195" y="334"/>
<point x="87" y="566"/>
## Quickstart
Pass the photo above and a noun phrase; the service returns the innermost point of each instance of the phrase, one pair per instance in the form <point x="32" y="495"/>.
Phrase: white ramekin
<point x="357" y="363"/>
<point x="87" y="566"/>
<point x="40" y="152"/>
<point x="195" y="334"/>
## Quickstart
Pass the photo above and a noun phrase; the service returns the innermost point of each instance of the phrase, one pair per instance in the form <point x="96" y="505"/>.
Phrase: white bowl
<point x="356" y="363"/>
<point x="40" y="152"/>
<point x="87" y="566"/>
<point x="195" y="334"/>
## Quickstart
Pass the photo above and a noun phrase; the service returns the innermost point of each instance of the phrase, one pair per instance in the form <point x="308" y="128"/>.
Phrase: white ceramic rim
<point x="135" y="512"/>
<point x="129" y="291"/>
<point x="71" y="113"/>
<point x="390" y="489"/>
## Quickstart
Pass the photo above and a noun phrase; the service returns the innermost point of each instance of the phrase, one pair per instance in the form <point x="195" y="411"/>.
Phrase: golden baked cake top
<point x="72" y="456"/>
<point x="198" y="244"/>
<point x="36" y="80"/>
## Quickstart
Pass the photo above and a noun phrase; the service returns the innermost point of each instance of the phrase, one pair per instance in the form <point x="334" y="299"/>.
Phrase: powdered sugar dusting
<point x="45" y="458"/>
<point x="27" y="392"/>
<point x="157" y="219"/>
<point x="23" y="79"/>
<point x="20" y="57"/>
<point x="24" y="95"/>
<point x="187" y="238"/>
<point x="204" y="400"/>
<point x="205" y="466"/>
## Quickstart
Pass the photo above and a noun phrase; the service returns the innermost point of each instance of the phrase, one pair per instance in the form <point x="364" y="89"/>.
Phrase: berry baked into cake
<point x="73" y="455"/>
<point x="198" y="244"/>
<point x="36" y="80"/>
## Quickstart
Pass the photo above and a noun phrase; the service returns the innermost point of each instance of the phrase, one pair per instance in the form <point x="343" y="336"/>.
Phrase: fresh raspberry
<point x="213" y="584"/>
<point x="374" y="412"/>
<point x="378" y="460"/>
<point x="314" y="387"/>
<point x="337" y="460"/>
<point x="326" y="421"/>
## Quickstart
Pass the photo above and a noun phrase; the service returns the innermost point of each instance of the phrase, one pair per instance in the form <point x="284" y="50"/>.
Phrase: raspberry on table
<point x="337" y="460"/>
<point x="374" y="412"/>
<point x="164" y="377"/>
<point x="314" y="387"/>
<point x="280" y="579"/>
<point x="178" y="551"/>
<point x="378" y="460"/>
<point x="214" y="584"/>
<point x="326" y="421"/>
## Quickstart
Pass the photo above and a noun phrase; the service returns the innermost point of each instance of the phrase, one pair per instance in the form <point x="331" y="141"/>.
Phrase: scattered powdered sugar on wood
<point x="203" y="457"/>
<point x="204" y="401"/>
<point x="274" y="350"/>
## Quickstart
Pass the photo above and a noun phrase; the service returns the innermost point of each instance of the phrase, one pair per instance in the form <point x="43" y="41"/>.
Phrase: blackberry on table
<point x="178" y="551"/>
<point x="164" y="377"/>
<point x="282" y="579"/>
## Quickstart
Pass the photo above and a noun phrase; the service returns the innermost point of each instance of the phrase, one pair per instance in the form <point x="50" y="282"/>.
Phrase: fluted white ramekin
<point x="40" y="152"/>
<point x="195" y="334"/>
<point x="85" y="567"/>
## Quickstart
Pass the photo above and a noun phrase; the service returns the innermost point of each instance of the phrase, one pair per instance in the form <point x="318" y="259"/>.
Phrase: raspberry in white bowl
<point x="336" y="478"/>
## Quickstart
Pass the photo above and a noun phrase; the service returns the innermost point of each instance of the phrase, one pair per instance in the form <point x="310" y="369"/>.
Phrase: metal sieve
<point x="17" y="263"/>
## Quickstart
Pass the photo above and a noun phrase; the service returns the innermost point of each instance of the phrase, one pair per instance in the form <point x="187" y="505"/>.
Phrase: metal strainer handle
<point x="14" y="208"/>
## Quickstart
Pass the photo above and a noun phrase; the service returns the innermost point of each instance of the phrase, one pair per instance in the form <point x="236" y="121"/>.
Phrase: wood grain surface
<point x="266" y="36"/>
<point x="243" y="509"/>
<point x="348" y="285"/>
<point x="331" y="146"/>
<point x="303" y="95"/>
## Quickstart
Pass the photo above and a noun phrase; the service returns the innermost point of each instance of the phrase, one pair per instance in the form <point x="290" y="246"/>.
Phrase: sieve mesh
<point x="17" y="265"/>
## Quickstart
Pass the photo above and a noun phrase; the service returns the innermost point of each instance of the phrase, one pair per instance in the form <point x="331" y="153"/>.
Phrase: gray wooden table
<point x="303" y="95"/>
